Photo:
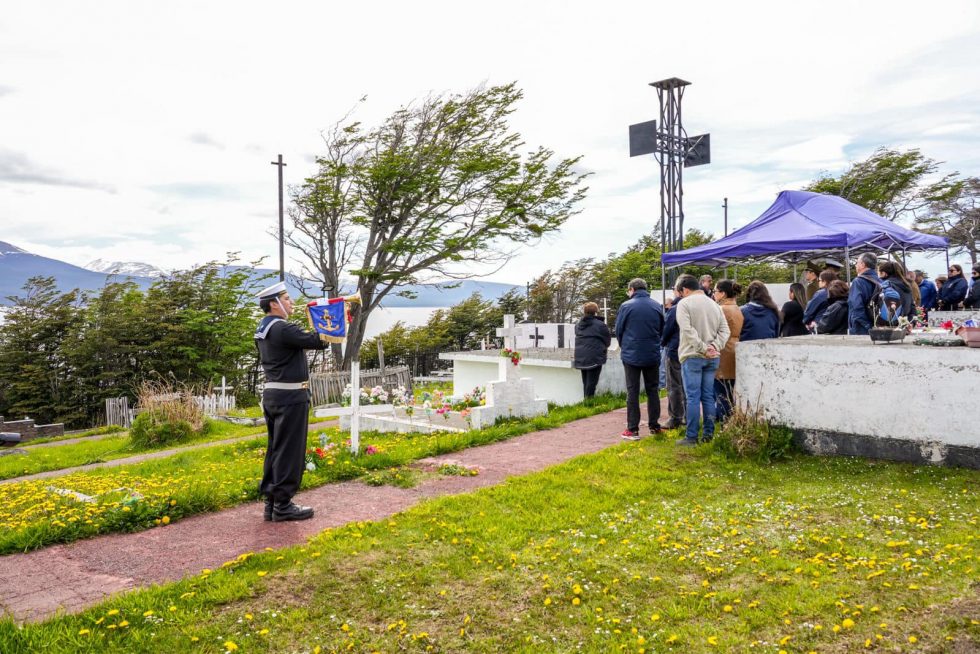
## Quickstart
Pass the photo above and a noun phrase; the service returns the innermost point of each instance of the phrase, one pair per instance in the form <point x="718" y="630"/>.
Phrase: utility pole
<point x="527" y="300"/>
<point x="282" y="257"/>
<point x="726" y="227"/>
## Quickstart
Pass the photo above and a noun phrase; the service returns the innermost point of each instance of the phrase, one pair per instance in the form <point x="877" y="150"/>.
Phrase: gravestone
<point x="549" y="334"/>
<point x="510" y="395"/>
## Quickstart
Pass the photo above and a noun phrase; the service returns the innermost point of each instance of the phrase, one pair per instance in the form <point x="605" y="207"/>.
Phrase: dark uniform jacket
<point x="972" y="300"/>
<point x="281" y="350"/>
<point x="952" y="293"/>
<point x="591" y="342"/>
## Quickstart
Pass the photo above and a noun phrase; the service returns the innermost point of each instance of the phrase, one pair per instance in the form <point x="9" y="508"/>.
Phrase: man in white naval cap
<point x="285" y="403"/>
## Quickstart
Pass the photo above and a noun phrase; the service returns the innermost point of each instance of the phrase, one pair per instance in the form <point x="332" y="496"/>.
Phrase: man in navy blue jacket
<point x="639" y="325"/>
<point x="865" y="286"/>
<point x="927" y="291"/>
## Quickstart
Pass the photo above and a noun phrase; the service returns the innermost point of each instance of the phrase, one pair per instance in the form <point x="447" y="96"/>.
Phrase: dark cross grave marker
<point x="561" y="336"/>
<point x="536" y="337"/>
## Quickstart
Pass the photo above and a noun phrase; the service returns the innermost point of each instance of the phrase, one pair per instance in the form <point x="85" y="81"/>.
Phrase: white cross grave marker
<point x="509" y="332"/>
<point x="224" y="387"/>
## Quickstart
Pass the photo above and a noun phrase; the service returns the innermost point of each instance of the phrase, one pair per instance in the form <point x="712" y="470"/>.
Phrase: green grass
<point x="642" y="547"/>
<point x="59" y="457"/>
<point x="33" y="514"/>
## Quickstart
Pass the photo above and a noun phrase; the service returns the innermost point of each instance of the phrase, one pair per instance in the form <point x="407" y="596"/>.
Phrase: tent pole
<point x="947" y="258"/>
<point x="663" y="282"/>
<point x="847" y="262"/>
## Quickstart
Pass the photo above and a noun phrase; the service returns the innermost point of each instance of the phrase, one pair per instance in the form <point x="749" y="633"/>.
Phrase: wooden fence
<point x="329" y="387"/>
<point x="117" y="412"/>
<point x="213" y="404"/>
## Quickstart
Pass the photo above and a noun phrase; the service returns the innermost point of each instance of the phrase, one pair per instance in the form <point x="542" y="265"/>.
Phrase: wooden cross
<point x="224" y="387"/>
<point x="509" y="332"/>
<point x="605" y="310"/>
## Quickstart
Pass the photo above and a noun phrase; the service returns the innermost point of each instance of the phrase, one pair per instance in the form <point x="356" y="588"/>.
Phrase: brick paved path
<point x="36" y="585"/>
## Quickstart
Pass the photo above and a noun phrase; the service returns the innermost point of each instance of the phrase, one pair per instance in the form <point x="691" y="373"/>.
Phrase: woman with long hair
<point x="760" y="315"/>
<point x="834" y="319"/>
<point x="892" y="276"/>
<point x="725" y="293"/>
<point x="793" y="312"/>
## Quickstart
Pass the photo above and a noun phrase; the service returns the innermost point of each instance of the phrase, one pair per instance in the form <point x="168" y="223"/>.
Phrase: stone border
<point x="820" y="442"/>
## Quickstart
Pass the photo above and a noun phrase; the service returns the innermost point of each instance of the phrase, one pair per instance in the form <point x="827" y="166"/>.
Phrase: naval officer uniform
<point x="285" y="403"/>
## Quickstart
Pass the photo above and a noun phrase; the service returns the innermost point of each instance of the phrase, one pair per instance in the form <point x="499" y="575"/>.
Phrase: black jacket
<point x="282" y="354"/>
<point x="834" y="319"/>
<point x="907" y="307"/>
<point x="793" y="320"/>
<point x="670" y="340"/>
<point x="591" y="342"/>
<point x="972" y="300"/>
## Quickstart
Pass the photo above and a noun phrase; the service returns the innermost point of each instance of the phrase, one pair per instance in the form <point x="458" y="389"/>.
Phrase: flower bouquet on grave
<point x="477" y="397"/>
<point x="513" y="355"/>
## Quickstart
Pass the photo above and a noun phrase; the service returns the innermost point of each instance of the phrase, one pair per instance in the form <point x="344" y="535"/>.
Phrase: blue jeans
<point x="699" y="385"/>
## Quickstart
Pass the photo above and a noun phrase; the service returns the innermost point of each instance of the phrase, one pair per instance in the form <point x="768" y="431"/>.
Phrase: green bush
<point x="151" y="430"/>
<point x="749" y="436"/>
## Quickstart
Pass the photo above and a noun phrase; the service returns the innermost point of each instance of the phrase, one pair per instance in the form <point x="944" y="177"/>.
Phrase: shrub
<point x="169" y="414"/>
<point x="747" y="435"/>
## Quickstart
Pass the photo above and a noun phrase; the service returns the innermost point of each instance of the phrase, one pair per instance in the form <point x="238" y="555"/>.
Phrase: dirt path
<point x="72" y="577"/>
<point x="143" y="457"/>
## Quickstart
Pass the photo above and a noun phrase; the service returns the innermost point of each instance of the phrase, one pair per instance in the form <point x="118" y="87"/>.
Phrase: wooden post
<point x="381" y="356"/>
<point x="355" y="404"/>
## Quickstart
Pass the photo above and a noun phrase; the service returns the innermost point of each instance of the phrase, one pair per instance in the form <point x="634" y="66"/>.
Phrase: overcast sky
<point x="144" y="131"/>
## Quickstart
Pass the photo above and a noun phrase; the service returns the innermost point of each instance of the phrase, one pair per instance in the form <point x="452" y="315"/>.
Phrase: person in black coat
<point x="834" y="319"/>
<point x="793" y="312"/>
<point x="592" y="339"/>
<point x="954" y="290"/>
<point x="972" y="300"/>
<point x="285" y="403"/>
<point x="760" y="314"/>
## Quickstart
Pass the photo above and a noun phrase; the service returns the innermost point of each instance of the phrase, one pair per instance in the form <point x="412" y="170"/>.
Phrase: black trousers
<point x="285" y="456"/>
<point x="590" y="379"/>
<point x="651" y="383"/>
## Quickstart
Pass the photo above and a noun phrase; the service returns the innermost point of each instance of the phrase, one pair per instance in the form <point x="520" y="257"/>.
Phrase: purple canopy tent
<point x="800" y="226"/>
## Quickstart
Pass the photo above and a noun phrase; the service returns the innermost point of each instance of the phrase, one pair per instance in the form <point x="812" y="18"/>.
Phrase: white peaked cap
<point x="272" y="291"/>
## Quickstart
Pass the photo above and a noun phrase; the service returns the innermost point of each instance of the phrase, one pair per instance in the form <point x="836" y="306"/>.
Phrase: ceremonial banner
<point x="329" y="317"/>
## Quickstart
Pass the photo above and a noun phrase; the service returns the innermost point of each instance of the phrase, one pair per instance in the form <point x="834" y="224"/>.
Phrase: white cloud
<point x="181" y="106"/>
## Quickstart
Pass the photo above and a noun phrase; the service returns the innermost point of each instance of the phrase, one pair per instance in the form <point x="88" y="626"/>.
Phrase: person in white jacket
<point x="704" y="332"/>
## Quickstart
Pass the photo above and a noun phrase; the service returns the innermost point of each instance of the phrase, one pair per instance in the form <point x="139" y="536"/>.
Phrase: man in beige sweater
<point x="704" y="332"/>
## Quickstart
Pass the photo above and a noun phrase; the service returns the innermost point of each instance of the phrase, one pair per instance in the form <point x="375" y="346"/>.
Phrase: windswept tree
<point x="890" y="183"/>
<point x="956" y="215"/>
<point x="440" y="186"/>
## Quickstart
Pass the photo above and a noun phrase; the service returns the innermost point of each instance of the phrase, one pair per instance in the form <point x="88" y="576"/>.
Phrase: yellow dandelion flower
<point x="727" y="608"/>
<point x="112" y="612"/>
<point x="847" y="623"/>
<point x="82" y="632"/>
<point x="654" y="617"/>
<point x="913" y="639"/>
<point x="547" y="601"/>
<point x="262" y="573"/>
<point x="124" y="623"/>
<point x="576" y="601"/>
<point x="230" y="646"/>
<point x="165" y="520"/>
<point x="147" y="614"/>
<point x="713" y="641"/>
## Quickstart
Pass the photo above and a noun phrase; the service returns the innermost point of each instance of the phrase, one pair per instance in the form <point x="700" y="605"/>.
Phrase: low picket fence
<point x="328" y="387"/>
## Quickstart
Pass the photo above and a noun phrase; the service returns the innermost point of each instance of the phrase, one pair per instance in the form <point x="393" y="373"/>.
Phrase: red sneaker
<point x="630" y="435"/>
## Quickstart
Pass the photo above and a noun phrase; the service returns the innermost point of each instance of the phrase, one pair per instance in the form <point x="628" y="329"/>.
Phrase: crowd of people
<point x="691" y="338"/>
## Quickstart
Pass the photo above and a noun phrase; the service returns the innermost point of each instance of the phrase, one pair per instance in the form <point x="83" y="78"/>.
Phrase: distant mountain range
<point x="17" y="266"/>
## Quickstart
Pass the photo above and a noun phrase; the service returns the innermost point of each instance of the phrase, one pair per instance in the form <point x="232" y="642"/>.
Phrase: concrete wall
<point x="845" y="395"/>
<point x="555" y="381"/>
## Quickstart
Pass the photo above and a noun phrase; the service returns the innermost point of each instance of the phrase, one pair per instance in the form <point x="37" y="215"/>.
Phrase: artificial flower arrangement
<point x="513" y="355"/>
<point x="376" y="395"/>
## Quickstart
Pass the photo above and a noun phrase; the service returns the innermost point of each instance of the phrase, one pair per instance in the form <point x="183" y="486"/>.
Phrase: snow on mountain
<point x="7" y="248"/>
<point x="127" y="268"/>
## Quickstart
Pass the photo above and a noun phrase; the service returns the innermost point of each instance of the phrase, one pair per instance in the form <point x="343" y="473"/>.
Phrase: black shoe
<point x="268" y="509"/>
<point x="687" y="442"/>
<point x="656" y="429"/>
<point x="290" y="511"/>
